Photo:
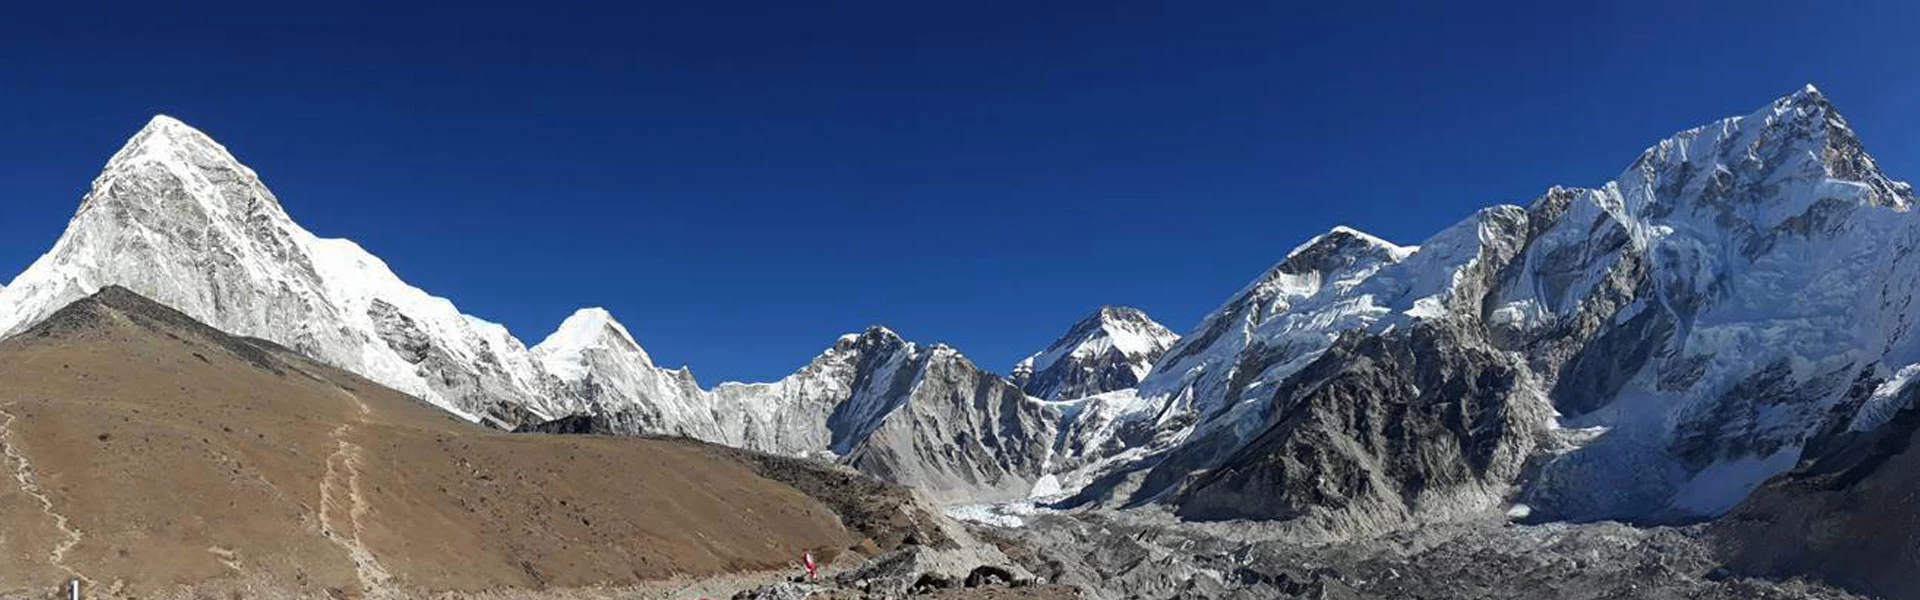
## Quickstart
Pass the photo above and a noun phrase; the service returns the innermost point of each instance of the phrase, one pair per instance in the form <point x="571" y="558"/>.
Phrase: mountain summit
<point x="175" y="217"/>
<point x="1111" y="349"/>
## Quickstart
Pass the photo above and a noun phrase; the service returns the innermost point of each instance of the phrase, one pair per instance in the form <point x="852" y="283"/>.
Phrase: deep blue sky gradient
<point x="742" y="182"/>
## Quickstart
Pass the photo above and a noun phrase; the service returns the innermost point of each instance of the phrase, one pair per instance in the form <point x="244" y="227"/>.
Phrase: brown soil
<point x="1038" y="592"/>
<point x="151" y="456"/>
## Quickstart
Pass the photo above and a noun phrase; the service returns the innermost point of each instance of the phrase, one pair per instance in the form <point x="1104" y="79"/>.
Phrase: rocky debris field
<point x="1147" y="554"/>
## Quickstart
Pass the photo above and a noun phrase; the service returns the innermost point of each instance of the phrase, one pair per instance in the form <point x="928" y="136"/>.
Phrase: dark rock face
<point x="570" y="425"/>
<point x="1844" y="514"/>
<point x="957" y="432"/>
<point x="1378" y="430"/>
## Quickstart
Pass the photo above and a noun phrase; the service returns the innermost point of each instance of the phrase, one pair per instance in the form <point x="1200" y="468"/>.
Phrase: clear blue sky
<point x="742" y="182"/>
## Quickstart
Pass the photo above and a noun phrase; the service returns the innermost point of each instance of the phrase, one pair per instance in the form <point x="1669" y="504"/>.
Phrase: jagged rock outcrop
<point x="920" y="415"/>
<point x="959" y="432"/>
<point x="1109" y="350"/>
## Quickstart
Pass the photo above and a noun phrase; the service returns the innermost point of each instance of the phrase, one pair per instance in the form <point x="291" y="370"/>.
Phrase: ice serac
<point x="176" y="218"/>
<point x="1111" y="349"/>
<point x="1656" y="347"/>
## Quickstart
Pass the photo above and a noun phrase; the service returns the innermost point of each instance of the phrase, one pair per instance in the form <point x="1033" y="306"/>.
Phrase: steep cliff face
<point x="959" y="433"/>
<point x="922" y="415"/>
<point x="919" y="415"/>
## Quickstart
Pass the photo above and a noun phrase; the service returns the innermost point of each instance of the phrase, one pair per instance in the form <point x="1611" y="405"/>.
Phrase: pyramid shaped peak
<point x="1801" y="132"/>
<point x="1339" y="248"/>
<point x="1115" y="312"/>
<point x="588" y="328"/>
<point x="163" y="121"/>
<point x="166" y="130"/>
<point x="1114" y="320"/>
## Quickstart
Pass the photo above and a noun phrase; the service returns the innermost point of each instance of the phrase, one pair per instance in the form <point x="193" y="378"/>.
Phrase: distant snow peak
<point x="1113" y="348"/>
<point x="1344" y="238"/>
<point x="1340" y="248"/>
<point x="590" y="328"/>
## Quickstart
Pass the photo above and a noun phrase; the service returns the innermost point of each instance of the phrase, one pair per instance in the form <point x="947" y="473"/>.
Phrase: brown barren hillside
<point x="152" y="456"/>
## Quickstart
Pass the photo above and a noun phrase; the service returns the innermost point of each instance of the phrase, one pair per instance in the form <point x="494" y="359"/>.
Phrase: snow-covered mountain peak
<point x="177" y="218"/>
<point x="1111" y="349"/>
<point x="1340" y="247"/>
<point x="1794" y="159"/>
<point x="163" y="130"/>
<point x="1344" y="240"/>
<point x="165" y="139"/>
<point x="168" y="149"/>
<point x="588" y="329"/>
<point x="871" y="338"/>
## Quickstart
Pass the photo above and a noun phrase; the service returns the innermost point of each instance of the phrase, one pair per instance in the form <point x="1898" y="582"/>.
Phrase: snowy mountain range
<point x="176" y="218"/>
<point x="1652" y="348"/>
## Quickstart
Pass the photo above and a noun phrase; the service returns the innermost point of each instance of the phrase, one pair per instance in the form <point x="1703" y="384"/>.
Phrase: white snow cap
<point x="1343" y="231"/>
<point x="590" y="328"/>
